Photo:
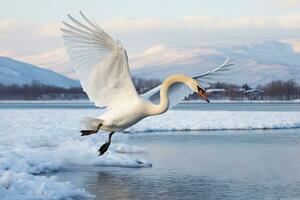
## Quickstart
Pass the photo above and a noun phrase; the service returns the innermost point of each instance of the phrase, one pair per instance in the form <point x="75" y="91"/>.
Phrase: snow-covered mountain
<point x="255" y="63"/>
<point x="16" y="72"/>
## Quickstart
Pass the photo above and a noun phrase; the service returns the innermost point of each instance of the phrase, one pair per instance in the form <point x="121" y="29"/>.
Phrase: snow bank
<point x="177" y="120"/>
<point x="18" y="167"/>
<point x="34" y="142"/>
<point x="26" y="186"/>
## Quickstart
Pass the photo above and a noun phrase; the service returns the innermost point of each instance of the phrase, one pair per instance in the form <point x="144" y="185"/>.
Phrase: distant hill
<point x="255" y="63"/>
<point x="16" y="72"/>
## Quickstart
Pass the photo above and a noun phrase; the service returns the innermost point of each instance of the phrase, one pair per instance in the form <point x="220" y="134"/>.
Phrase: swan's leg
<point x="105" y="146"/>
<point x="89" y="132"/>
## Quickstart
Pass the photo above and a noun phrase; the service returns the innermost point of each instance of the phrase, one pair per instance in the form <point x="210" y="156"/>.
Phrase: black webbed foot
<point x="103" y="149"/>
<point x="87" y="132"/>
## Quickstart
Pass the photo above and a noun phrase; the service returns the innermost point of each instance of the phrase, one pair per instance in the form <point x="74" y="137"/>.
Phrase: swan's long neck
<point x="164" y="99"/>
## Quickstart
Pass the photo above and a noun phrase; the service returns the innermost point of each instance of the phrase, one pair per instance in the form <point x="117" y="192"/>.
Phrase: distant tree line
<point x="38" y="91"/>
<point x="275" y="90"/>
<point x="281" y="90"/>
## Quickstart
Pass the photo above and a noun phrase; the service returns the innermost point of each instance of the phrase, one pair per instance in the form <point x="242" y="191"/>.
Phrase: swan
<point x="103" y="70"/>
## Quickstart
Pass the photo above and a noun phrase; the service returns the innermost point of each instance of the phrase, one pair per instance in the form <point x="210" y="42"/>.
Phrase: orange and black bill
<point x="201" y="93"/>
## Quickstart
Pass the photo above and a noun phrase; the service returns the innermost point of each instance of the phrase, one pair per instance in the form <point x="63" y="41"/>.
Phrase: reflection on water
<point x="130" y="185"/>
<point x="202" y="165"/>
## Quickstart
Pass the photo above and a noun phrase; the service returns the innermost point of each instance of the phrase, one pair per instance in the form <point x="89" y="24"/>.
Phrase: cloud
<point x="132" y="24"/>
<point x="289" y="3"/>
<point x="208" y="22"/>
<point x="121" y="24"/>
<point x="13" y="28"/>
<point x="6" y="25"/>
<point x="204" y="22"/>
<point x="291" y="21"/>
<point x="51" y="29"/>
<point x="41" y="43"/>
<point x="7" y="53"/>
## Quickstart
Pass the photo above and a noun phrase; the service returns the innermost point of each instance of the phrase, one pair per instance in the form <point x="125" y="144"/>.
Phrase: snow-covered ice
<point x="37" y="141"/>
<point x="177" y="120"/>
<point x="14" y="186"/>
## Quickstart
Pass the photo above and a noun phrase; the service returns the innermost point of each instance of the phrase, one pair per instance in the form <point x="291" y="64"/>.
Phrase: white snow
<point x="177" y="120"/>
<point x="6" y="179"/>
<point x="37" y="141"/>
<point x="16" y="186"/>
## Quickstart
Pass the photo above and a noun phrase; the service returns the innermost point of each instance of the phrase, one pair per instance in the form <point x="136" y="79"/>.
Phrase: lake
<point x="245" y="151"/>
<point x="207" y="165"/>
<point x="188" y="105"/>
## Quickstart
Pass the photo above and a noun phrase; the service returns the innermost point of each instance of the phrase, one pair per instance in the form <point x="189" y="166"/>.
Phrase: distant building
<point x="254" y="94"/>
<point x="232" y="94"/>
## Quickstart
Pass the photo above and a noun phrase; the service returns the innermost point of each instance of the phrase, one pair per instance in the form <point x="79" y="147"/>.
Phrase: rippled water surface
<point x="202" y="165"/>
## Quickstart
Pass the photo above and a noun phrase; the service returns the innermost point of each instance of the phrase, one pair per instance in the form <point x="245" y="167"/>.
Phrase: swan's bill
<point x="201" y="93"/>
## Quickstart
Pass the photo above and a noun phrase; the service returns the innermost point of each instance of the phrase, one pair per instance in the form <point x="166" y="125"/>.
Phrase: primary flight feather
<point x="102" y="66"/>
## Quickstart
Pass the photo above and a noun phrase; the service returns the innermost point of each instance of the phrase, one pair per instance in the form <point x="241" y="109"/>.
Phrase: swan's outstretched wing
<point x="100" y="62"/>
<point x="176" y="93"/>
<point x="179" y="91"/>
<point x="214" y="72"/>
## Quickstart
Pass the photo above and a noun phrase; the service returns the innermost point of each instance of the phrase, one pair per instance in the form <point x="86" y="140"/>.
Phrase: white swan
<point x="102" y="66"/>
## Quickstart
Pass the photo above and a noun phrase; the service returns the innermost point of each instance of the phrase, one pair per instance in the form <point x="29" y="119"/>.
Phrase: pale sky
<point x="41" y="10"/>
<point x="29" y="29"/>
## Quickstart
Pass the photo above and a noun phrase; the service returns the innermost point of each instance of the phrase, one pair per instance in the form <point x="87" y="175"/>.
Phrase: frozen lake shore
<point x="35" y="142"/>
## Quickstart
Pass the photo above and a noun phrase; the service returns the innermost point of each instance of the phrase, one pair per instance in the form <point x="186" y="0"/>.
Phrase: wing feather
<point x="100" y="62"/>
<point x="179" y="91"/>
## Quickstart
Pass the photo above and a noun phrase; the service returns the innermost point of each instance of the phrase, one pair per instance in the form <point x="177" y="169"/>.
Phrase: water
<point x="206" y="165"/>
<point x="212" y="106"/>
<point x="232" y="164"/>
<point x="241" y="106"/>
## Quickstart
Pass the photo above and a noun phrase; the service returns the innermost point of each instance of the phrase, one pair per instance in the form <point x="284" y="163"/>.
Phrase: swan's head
<point x="196" y="87"/>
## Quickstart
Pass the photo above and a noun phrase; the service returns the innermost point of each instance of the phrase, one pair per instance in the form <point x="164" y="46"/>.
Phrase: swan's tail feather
<point x="91" y="123"/>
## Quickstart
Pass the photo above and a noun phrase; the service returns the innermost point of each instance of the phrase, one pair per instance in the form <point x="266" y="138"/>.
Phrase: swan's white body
<point x="102" y="66"/>
<point x="123" y="116"/>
